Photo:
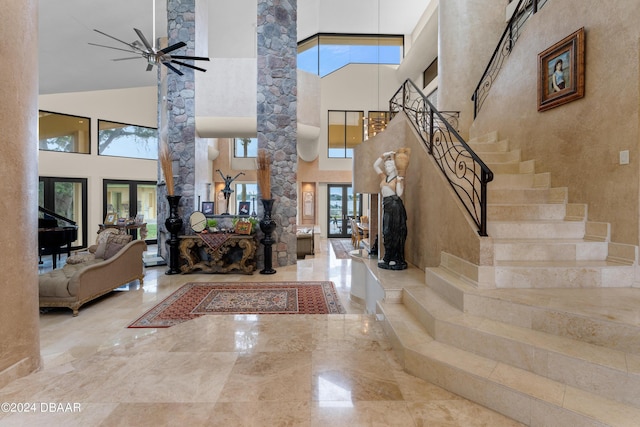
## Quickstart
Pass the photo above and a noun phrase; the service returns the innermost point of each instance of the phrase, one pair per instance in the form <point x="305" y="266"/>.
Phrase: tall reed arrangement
<point x="167" y="168"/>
<point x="264" y="173"/>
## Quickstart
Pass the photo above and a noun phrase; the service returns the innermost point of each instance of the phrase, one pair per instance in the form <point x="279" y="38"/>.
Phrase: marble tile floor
<point x="270" y="370"/>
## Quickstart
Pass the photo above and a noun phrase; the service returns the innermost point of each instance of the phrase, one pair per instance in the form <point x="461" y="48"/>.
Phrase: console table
<point x="218" y="254"/>
<point x="130" y="228"/>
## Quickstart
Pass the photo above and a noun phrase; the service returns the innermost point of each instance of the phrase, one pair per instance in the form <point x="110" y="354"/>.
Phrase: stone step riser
<point x="520" y="180"/>
<point x="613" y="383"/>
<point x="527" y="212"/>
<point x="550" y="251"/>
<point x="501" y="157"/>
<point x="536" y="230"/>
<point x="528" y="196"/>
<point x="563" y="277"/>
<point x="489" y="147"/>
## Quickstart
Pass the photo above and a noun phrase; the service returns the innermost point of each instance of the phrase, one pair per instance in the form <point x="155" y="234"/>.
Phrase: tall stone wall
<point x="277" y="116"/>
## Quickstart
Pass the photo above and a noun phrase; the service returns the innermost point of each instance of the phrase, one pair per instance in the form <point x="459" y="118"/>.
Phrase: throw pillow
<point x="120" y="239"/>
<point x="112" y="249"/>
<point x="102" y="247"/>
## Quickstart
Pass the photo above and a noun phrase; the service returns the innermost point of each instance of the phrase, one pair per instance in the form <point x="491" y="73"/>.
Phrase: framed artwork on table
<point x="244" y="208"/>
<point x="207" y="208"/>
<point x="561" y="72"/>
<point x="110" y="219"/>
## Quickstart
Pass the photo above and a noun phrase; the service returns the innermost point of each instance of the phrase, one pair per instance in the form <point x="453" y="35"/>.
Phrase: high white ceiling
<point x="69" y="64"/>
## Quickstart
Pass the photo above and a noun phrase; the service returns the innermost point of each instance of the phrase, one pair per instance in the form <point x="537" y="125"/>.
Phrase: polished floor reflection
<point x="270" y="370"/>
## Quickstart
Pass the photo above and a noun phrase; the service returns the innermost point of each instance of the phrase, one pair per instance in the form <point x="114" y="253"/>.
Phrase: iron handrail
<point x="523" y="11"/>
<point x="466" y="172"/>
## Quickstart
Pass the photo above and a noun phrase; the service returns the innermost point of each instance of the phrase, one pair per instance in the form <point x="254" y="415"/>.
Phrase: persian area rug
<point x="341" y="248"/>
<point x="198" y="299"/>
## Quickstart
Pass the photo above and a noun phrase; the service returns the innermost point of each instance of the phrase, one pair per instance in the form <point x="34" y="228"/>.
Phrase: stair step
<point x="601" y="316"/>
<point x="486" y="138"/>
<point x="570" y="361"/>
<point x="501" y="157"/>
<point x="562" y="274"/>
<point x="489" y="146"/>
<point x="549" y="250"/>
<point x="521" y="180"/>
<point x="523" y="212"/>
<point x="522" y="395"/>
<point x="526" y="195"/>
<point x="536" y="229"/>
<point x="512" y="167"/>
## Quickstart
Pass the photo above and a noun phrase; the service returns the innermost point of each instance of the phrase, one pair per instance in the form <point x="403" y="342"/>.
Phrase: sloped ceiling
<point x="69" y="64"/>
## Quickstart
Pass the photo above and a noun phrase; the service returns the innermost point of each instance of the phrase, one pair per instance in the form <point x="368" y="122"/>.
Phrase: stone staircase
<point x="550" y="334"/>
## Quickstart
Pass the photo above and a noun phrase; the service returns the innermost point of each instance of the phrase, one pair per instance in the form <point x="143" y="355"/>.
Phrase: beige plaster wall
<point x="436" y="219"/>
<point x="579" y="142"/>
<point x="468" y="33"/>
<point x="19" y="323"/>
<point x="136" y="106"/>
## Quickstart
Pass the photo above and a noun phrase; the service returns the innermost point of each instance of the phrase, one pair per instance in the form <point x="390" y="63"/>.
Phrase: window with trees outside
<point x="125" y="140"/>
<point x="346" y="130"/>
<point x="64" y="133"/>
<point x="245" y="147"/>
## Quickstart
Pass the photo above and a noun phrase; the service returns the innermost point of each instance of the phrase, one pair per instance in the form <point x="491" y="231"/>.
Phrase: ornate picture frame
<point x="110" y="219"/>
<point x="561" y="72"/>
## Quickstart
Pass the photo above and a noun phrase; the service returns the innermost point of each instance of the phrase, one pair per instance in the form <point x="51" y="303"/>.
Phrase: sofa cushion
<point x="56" y="283"/>
<point x="80" y="257"/>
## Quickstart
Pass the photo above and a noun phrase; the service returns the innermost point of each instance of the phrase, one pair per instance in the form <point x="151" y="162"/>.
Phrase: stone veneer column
<point x="176" y="116"/>
<point x="19" y="320"/>
<point x="277" y="116"/>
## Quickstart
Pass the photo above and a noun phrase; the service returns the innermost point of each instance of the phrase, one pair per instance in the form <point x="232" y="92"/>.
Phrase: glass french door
<point x="66" y="197"/>
<point x="130" y="199"/>
<point x="342" y="206"/>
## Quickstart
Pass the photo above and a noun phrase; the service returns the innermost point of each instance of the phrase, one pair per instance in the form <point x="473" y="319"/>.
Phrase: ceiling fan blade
<point x="188" y="65"/>
<point x="195" y="58"/>
<point x="132" y="46"/>
<point x="173" y="47"/>
<point x="125" y="59"/>
<point x="111" y="47"/>
<point x="144" y="40"/>
<point x="174" y="69"/>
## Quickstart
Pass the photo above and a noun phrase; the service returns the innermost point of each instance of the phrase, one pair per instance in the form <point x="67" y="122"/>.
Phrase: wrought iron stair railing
<point x="523" y="11"/>
<point x="466" y="172"/>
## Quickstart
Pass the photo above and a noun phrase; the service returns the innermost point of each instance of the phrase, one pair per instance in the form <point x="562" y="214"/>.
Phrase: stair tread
<point x="549" y="240"/>
<point x="614" y="305"/>
<point x="560" y="264"/>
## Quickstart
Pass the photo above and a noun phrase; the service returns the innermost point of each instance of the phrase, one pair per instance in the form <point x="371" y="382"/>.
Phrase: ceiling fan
<point x="154" y="57"/>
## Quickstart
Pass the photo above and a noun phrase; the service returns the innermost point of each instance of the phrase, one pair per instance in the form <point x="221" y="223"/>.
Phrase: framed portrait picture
<point x="244" y="208"/>
<point x="110" y="219"/>
<point x="207" y="208"/>
<point x="561" y="72"/>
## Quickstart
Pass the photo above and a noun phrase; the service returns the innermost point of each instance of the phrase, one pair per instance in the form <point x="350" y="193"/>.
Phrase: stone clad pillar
<point x="19" y="320"/>
<point x="176" y="116"/>
<point x="277" y="116"/>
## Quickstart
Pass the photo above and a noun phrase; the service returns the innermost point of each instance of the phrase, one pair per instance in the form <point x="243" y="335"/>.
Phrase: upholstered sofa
<point x="114" y="261"/>
<point x="305" y="241"/>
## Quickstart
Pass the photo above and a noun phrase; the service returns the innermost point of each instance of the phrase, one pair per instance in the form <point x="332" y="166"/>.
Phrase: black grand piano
<point x="55" y="234"/>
